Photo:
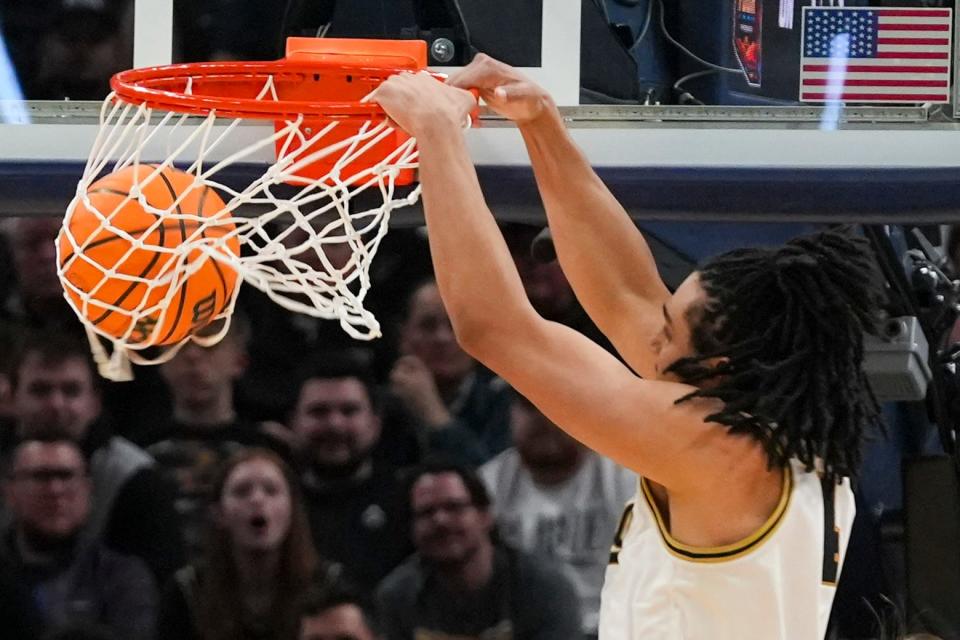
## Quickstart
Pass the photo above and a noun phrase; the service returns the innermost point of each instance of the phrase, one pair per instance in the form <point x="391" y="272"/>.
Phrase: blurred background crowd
<point x="234" y="489"/>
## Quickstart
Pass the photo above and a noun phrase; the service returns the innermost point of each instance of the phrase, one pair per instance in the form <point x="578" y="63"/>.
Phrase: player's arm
<point x="603" y="254"/>
<point x="573" y="381"/>
<point x="596" y="399"/>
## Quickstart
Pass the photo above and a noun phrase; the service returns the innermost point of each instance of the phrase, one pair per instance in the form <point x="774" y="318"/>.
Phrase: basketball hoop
<point x="327" y="145"/>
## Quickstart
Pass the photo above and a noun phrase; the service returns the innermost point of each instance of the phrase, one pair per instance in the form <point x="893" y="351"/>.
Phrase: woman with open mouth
<point x="259" y="557"/>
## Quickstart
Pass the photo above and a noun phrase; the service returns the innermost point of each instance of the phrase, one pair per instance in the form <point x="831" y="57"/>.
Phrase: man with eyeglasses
<point x="68" y="580"/>
<point x="56" y="394"/>
<point x="462" y="583"/>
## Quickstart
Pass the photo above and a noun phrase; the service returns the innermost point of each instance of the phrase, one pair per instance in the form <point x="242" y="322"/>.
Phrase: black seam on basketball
<point x="90" y="193"/>
<point x="142" y="274"/>
<point x="115" y="192"/>
<point x="103" y="241"/>
<point x="216" y="264"/>
<point x="182" y="293"/>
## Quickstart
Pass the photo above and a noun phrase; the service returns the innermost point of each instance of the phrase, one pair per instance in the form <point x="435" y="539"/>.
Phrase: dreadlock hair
<point x="785" y="329"/>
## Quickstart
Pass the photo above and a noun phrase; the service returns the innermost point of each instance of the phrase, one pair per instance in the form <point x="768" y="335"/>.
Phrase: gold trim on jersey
<point x="729" y="551"/>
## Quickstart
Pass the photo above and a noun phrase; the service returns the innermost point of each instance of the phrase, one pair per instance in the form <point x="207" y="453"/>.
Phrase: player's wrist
<point x="437" y="124"/>
<point x="545" y="118"/>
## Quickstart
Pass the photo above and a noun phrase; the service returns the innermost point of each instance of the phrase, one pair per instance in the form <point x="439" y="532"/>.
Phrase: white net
<point x="304" y="243"/>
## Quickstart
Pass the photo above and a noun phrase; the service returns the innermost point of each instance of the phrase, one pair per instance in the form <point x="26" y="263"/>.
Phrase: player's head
<point x="777" y="335"/>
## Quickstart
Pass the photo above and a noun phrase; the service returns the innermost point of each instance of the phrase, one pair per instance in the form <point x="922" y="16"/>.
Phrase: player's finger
<point x="514" y="91"/>
<point x="482" y="73"/>
<point x="386" y="88"/>
<point x="393" y="124"/>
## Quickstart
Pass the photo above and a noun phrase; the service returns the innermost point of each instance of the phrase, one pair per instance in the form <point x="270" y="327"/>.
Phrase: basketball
<point x="125" y="266"/>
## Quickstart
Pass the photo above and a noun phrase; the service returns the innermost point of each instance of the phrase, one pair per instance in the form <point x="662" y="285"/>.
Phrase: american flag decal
<point x="875" y="55"/>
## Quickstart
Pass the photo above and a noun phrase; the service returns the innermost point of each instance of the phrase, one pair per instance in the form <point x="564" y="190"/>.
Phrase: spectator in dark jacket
<point x="17" y="617"/>
<point x="69" y="579"/>
<point x="56" y="394"/>
<point x="463" y="408"/>
<point x="352" y="496"/>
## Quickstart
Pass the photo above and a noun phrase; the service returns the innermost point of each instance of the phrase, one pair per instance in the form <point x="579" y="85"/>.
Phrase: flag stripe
<point x="873" y="62"/>
<point x="908" y="33"/>
<point x="907" y="13"/>
<point x="907" y="47"/>
<point x="863" y="97"/>
<point x="896" y="68"/>
<point x="913" y="27"/>
<point x="909" y="22"/>
<point x="877" y="76"/>
<point x="875" y="82"/>
<point x="913" y="41"/>
<point x="914" y="55"/>
<point x="834" y="88"/>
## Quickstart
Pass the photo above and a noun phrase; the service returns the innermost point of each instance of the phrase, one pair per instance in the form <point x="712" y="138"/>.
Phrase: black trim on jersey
<point x="831" y="535"/>
<point x="625" y="520"/>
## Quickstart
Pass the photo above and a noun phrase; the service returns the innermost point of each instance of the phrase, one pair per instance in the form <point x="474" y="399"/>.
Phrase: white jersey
<point x="777" y="584"/>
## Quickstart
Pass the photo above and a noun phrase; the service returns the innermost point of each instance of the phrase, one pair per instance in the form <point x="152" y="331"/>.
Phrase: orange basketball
<point x="198" y="299"/>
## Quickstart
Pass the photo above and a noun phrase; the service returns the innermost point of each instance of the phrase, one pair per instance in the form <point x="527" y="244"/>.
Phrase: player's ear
<point x="717" y="362"/>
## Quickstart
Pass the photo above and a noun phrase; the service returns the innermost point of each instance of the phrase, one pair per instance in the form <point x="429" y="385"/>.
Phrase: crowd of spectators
<point x="297" y="482"/>
<point x="394" y="489"/>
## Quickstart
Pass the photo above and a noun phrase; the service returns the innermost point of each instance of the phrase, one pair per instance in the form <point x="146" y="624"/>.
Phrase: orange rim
<point x="164" y="88"/>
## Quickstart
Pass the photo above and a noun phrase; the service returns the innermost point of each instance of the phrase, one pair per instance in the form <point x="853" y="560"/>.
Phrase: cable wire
<point x="691" y="76"/>
<point x="673" y="41"/>
<point x="646" y="22"/>
<point x="687" y="97"/>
